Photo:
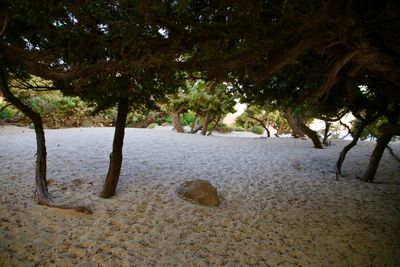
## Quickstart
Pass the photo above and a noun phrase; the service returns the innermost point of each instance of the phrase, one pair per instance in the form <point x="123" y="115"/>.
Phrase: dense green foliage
<point x="257" y="130"/>
<point x="6" y="110"/>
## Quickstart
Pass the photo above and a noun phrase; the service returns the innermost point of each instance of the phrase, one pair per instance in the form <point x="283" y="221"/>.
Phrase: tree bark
<point x="294" y="124"/>
<point x="311" y="134"/>
<point x="176" y="121"/>
<point x="326" y="133"/>
<point x="114" y="169"/>
<point x="41" y="191"/>
<point x="206" y="122"/>
<point x="215" y="126"/>
<point x="376" y="156"/>
<point x="193" y="124"/>
<point x="262" y="125"/>
<point x="356" y="136"/>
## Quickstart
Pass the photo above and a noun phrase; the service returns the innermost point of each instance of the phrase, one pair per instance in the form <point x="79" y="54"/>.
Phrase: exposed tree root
<point x="43" y="199"/>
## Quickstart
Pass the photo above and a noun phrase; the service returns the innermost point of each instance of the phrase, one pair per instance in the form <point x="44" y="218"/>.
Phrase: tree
<point x="85" y="48"/>
<point x="22" y="26"/>
<point x="209" y="101"/>
<point x="266" y="116"/>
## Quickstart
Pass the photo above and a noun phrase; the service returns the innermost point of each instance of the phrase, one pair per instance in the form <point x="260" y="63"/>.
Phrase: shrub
<point x="257" y="130"/>
<point x="221" y="127"/>
<point x="167" y="120"/>
<point x="238" y="129"/>
<point x="7" y="112"/>
<point x="152" y="125"/>
<point x="58" y="110"/>
<point x="187" y="118"/>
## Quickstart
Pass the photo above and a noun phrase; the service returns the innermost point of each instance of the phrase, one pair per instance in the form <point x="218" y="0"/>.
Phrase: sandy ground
<point x="281" y="204"/>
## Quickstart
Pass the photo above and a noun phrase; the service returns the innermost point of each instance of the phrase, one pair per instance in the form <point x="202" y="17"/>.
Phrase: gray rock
<point x="199" y="192"/>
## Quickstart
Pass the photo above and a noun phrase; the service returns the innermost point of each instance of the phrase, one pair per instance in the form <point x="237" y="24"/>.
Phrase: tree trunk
<point x="375" y="158"/>
<point x="356" y="136"/>
<point x="294" y="124"/>
<point x="176" y="121"/>
<point x="215" y="126"/>
<point x="281" y="130"/>
<point x="192" y="127"/>
<point x="41" y="191"/>
<point x="312" y="135"/>
<point x="326" y="133"/>
<point x="196" y="126"/>
<point x="114" y="169"/>
<point x="262" y="125"/>
<point x="206" y="122"/>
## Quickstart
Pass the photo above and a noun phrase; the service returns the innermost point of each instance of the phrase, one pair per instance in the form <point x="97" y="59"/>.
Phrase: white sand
<point x="281" y="203"/>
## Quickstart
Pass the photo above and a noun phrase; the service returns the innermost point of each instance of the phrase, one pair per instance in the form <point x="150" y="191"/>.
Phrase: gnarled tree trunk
<point x="311" y="134"/>
<point x="114" y="169"/>
<point x="215" y="125"/>
<point x="387" y="130"/>
<point x="326" y="133"/>
<point x="206" y="122"/>
<point x="41" y="191"/>
<point x="176" y="121"/>
<point x="376" y="156"/>
<point x="262" y="125"/>
<point x="358" y="131"/>
<point x="293" y="122"/>
<point x="196" y="125"/>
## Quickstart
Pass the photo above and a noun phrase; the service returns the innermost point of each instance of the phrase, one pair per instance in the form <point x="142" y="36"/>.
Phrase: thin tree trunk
<point x="358" y="131"/>
<point x="280" y="130"/>
<point x="262" y="125"/>
<point x="206" y="122"/>
<point x="193" y="124"/>
<point x="312" y="135"/>
<point x="41" y="191"/>
<point x="326" y="133"/>
<point x="176" y="121"/>
<point x="114" y="169"/>
<point x="215" y="126"/>
<point x="376" y="156"/>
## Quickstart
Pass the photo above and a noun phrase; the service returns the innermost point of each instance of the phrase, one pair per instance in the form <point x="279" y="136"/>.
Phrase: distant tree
<point x="265" y="116"/>
<point x="209" y="101"/>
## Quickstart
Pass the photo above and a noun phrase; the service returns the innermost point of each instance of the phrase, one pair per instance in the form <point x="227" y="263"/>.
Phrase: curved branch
<point x="312" y="134"/>
<point x="3" y="29"/>
<point x="333" y="73"/>
<point x="342" y="156"/>
<point x="4" y="107"/>
<point x="262" y="124"/>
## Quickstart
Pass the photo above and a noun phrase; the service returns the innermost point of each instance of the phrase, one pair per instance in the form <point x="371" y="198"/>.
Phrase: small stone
<point x="199" y="192"/>
<point x="226" y="222"/>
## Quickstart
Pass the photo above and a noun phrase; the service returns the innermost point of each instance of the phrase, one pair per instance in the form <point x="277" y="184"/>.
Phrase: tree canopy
<point x="311" y="58"/>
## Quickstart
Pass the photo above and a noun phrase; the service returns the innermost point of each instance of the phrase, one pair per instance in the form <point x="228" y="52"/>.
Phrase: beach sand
<point x="281" y="205"/>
